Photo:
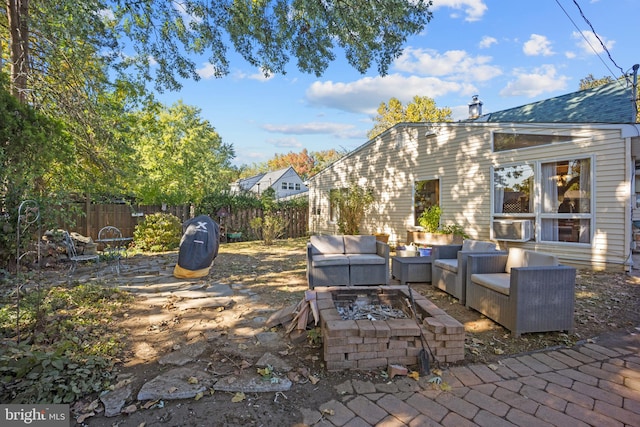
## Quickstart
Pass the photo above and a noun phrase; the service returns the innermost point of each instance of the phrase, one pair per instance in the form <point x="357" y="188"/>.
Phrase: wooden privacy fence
<point x="92" y="217"/>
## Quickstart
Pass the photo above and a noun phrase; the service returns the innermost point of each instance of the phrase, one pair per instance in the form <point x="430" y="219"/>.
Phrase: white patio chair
<point x="73" y="255"/>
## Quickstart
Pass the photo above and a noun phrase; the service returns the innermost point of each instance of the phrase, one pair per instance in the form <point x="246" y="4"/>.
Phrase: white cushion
<point x="514" y="259"/>
<point x="524" y="258"/>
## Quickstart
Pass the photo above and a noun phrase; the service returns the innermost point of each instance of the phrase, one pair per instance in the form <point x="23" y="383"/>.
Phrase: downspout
<point x="634" y="93"/>
<point x="632" y="202"/>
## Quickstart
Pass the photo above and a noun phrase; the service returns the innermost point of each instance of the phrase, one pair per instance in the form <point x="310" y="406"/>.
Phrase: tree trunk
<point x="18" y="17"/>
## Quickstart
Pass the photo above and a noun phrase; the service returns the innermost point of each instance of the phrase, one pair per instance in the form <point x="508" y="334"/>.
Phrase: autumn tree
<point x="420" y="109"/>
<point x="305" y="163"/>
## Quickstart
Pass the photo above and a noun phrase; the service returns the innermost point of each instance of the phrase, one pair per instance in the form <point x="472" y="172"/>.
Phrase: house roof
<point x="263" y="180"/>
<point x="609" y="103"/>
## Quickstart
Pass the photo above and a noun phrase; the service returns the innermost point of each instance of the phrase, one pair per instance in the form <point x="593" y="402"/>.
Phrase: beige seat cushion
<point x="449" y="264"/>
<point x="519" y="257"/>
<point x="499" y="282"/>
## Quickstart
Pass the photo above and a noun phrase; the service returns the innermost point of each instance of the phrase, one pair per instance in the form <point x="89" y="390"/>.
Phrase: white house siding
<point x="461" y="157"/>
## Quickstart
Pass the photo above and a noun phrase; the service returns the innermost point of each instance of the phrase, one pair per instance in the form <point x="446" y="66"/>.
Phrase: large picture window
<point x="556" y="195"/>
<point x="426" y="194"/>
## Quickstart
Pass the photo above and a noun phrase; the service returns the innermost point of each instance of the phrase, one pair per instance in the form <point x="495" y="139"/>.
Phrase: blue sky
<point x="509" y="52"/>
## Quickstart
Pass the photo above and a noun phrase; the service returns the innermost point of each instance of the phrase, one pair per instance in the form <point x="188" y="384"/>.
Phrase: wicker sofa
<point x="449" y="265"/>
<point x="337" y="260"/>
<point x="524" y="291"/>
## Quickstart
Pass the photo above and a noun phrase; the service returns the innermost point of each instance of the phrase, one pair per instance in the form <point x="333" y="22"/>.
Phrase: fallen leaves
<point x="238" y="397"/>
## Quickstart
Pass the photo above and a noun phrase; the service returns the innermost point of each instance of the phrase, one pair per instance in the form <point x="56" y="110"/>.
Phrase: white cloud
<point x="541" y="80"/>
<point x="487" y="42"/>
<point x="366" y="94"/>
<point x="589" y="43"/>
<point x="453" y="63"/>
<point x="473" y="9"/>
<point x="340" y="130"/>
<point x="285" y="142"/>
<point x="537" y="45"/>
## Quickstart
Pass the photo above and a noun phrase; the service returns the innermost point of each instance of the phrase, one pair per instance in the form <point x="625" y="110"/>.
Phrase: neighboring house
<point x="286" y="183"/>
<point x="557" y="176"/>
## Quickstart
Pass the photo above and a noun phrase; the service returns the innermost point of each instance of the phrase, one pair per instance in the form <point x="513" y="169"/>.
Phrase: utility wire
<point x="587" y="40"/>
<point x="597" y="36"/>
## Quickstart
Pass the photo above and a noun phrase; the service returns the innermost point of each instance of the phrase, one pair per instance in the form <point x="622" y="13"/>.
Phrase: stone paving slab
<point x="594" y="384"/>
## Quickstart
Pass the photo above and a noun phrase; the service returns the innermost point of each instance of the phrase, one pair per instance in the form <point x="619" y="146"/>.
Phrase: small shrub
<point x="158" y="232"/>
<point x="271" y="226"/>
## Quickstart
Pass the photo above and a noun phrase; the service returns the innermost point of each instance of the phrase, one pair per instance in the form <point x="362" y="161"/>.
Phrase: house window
<point x="284" y="185"/>
<point x="557" y="195"/>
<point x="566" y="201"/>
<point x="333" y="205"/>
<point x="291" y="186"/>
<point x="510" y="141"/>
<point x="426" y="194"/>
<point x="297" y="186"/>
<point x="513" y="190"/>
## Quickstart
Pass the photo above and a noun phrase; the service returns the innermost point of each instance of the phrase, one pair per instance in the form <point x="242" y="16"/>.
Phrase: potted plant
<point x="382" y="236"/>
<point x="433" y="233"/>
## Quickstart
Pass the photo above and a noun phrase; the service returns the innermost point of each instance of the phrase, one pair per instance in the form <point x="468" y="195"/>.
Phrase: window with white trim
<point x="555" y="194"/>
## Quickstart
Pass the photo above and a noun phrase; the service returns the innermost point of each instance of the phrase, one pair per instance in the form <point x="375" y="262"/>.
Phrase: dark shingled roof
<point x="609" y="103"/>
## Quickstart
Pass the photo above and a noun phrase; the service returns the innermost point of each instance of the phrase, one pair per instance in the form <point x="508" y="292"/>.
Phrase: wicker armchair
<point x="449" y="265"/>
<point x="524" y="291"/>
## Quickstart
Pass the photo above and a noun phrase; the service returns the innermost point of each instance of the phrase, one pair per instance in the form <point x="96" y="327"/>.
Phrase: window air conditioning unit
<point x="520" y="230"/>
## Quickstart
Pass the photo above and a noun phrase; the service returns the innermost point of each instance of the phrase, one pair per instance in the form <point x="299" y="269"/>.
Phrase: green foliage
<point x="65" y="352"/>
<point x="158" y="232"/>
<point x="271" y="227"/>
<point x="429" y="219"/>
<point x="213" y="202"/>
<point x="267" y="34"/>
<point x="352" y="204"/>
<point x="180" y="156"/>
<point x="420" y="109"/>
<point x="454" y="229"/>
<point x="314" y="336"/>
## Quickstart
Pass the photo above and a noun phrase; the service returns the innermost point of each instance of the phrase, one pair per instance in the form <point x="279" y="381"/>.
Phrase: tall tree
<point x="420" y="109"/>
<point x="133" y="35"/>
<point x="180" y="156"/>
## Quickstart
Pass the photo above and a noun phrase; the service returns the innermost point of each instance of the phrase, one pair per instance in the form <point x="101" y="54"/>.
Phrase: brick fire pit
<point x="368" y="344"/>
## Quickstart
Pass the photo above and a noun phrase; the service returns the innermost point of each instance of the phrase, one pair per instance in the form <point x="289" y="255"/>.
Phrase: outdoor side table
<point x="411" y="269"/>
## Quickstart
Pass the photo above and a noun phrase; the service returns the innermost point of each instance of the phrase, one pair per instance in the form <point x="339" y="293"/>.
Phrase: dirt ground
<point x="266" y="279"/>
